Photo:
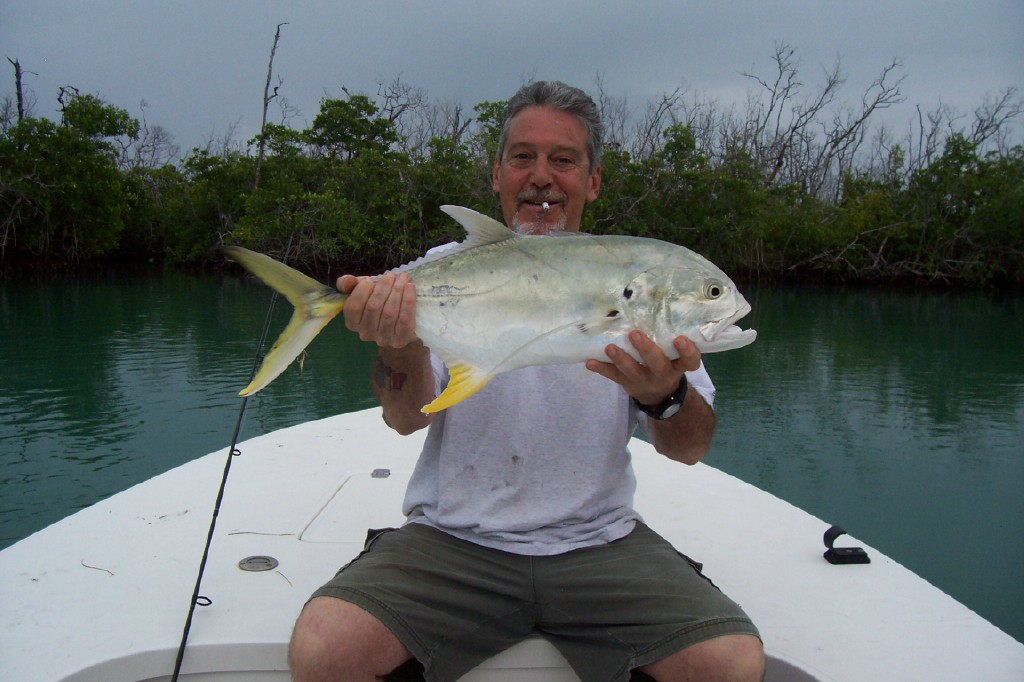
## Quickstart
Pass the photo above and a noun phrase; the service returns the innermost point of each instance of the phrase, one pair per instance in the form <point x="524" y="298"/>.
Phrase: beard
<point x="540" y="223"/>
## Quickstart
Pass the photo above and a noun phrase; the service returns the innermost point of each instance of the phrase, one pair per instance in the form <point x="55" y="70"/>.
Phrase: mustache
<point x="535" y="196"/>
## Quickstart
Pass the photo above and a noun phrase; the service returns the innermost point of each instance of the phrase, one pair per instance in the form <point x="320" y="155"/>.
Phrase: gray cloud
<point x="200" y="66"/>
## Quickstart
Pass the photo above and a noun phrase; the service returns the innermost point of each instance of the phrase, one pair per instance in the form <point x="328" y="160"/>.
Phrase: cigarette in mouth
<point x="546" y="206"/>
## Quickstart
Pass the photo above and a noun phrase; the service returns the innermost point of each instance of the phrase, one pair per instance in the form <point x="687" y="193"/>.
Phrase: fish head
<point x="701" y="303"/>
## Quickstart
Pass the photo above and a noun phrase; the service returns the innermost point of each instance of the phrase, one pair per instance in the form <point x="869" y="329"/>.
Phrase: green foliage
<point x="62" y="194"/>
<point x="345" y="129"/>
<point x="489" y="118"/>
<point x="448" y="174"/>
<point x="348" y="194"/>
<point x="148" y="214"/>
<point x="92" y="118"/>
<point x="969" y="215"/>
<point x="334" y="192"/>
<point x="200" y="211"/>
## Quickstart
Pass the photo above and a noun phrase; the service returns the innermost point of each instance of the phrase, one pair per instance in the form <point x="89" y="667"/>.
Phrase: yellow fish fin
<point x="286" y="280"/>
<point x="315" y="305"/>
<point x="465" y="381"/>
<point x="301" y="330"/>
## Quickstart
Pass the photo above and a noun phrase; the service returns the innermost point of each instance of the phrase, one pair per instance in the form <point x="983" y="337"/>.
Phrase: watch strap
<point x="669" y="406"/>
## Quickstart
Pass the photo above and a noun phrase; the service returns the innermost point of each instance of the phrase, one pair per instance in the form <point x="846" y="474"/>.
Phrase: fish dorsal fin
<point x="480" y="231"/>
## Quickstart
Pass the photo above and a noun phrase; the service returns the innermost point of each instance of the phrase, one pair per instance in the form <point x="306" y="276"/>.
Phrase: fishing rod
<point x="233" y="451"/>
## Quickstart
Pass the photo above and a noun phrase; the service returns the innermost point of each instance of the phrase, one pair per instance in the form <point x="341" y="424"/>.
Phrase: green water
<point x="899" y="416"/>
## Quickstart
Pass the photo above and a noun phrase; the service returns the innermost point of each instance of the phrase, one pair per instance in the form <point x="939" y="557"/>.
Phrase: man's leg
<point x="638" y="603"/>
<point x="336" y="640"/>
<point x="415" y="592"/>
<point x="730" y="657"/>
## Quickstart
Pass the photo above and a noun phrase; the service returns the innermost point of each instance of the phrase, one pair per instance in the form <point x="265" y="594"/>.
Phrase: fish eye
<point x="713" y="290"/>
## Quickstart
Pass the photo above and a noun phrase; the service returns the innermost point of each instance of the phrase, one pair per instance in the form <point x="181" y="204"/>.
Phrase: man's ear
<point x="595" y="184"/>
<point x="494" y="173"/>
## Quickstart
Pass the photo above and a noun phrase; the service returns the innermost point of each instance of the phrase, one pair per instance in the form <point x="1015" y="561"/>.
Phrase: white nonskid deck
<point x="103" y="594"/>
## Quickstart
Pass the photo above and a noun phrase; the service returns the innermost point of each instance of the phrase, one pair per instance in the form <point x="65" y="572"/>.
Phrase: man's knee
<point x="731" y="657"/>
<point x="334" y="639"/>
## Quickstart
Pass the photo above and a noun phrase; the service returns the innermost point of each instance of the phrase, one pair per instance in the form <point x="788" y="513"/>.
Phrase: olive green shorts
<point x="607" y="609"/>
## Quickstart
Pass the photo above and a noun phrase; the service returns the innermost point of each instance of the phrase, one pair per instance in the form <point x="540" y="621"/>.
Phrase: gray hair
<point x="558" y="95"/>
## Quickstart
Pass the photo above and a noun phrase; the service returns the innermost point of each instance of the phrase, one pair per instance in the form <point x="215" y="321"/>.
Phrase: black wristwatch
<point x="667" y="407"/>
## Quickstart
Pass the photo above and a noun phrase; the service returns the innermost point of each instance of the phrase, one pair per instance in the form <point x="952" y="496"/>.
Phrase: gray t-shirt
<point x="535" y="463"/>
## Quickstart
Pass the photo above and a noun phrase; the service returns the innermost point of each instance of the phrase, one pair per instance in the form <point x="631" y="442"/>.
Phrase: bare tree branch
<point x="267" y="99"/>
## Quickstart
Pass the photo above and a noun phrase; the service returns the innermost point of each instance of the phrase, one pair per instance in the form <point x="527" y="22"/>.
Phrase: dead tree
<point x="261" y="145"/>
<point x="17" y="86"/>
<point x="848" y="130"/>
<point x="992" y="119"/>
<point x="786" y="134"/>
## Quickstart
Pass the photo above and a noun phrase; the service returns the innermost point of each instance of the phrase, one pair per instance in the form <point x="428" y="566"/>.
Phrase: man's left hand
<point x="654" y="378"/>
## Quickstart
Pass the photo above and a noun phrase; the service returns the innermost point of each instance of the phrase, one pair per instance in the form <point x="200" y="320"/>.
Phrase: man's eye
<point x="564" y="163"/>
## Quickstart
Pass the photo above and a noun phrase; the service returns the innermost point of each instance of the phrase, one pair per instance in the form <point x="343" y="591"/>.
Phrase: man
<point x="520" y="507"/>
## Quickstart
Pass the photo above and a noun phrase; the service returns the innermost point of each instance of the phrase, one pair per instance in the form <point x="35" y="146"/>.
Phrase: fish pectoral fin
<point x="465" y="381"/>
<point x="572" y="332"/>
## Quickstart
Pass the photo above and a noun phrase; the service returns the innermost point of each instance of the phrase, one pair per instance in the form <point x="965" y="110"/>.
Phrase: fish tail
<point x="315" y="305"/>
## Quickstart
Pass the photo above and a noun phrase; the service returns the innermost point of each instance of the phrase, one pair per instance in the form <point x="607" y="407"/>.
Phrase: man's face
<point x="545" y="160"/>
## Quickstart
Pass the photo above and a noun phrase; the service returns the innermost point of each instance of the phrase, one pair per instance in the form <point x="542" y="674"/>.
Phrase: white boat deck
<point x="103" y="594"/>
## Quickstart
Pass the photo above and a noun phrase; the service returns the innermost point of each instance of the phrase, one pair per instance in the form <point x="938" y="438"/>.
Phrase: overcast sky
<point x="200" y="65"/>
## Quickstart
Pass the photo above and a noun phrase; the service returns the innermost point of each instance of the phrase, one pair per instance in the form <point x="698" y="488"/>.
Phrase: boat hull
<point x="103" y="594"/>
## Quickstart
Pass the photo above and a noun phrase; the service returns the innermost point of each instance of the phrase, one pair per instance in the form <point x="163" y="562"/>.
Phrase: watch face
<point x="670" y="410"/>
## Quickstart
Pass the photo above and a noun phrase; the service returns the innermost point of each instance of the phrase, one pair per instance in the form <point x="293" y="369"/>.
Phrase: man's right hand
<point x="381" y="309"/>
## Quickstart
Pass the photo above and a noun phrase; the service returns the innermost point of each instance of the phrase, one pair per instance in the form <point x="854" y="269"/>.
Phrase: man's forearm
<point x="404" y="382"/>
<point x="686" y="436"/>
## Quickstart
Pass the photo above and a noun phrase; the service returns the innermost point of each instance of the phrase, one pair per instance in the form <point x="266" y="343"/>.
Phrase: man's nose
<point x="541" y="175"/>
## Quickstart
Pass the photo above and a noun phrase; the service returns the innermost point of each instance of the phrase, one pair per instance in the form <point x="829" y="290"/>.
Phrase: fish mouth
<point x="719" y="335"/>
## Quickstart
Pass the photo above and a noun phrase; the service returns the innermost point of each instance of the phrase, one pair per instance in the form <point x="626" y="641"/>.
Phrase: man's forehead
<point x="538" y="124"/>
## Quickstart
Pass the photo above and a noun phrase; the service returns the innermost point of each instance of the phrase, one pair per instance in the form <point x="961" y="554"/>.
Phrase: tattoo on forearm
<point x="386" y="377"/>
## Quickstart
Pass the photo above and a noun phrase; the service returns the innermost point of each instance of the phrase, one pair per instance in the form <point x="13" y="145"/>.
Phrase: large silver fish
<point x="499" y="301"/>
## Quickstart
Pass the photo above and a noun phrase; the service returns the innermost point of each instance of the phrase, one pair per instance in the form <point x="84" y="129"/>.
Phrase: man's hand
<point x="684" y="437"/>
<point x="381" y="309"/>
<point x="656" y="377"/>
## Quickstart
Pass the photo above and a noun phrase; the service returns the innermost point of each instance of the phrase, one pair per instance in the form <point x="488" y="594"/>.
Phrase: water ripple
<point x="899" y="416"/>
